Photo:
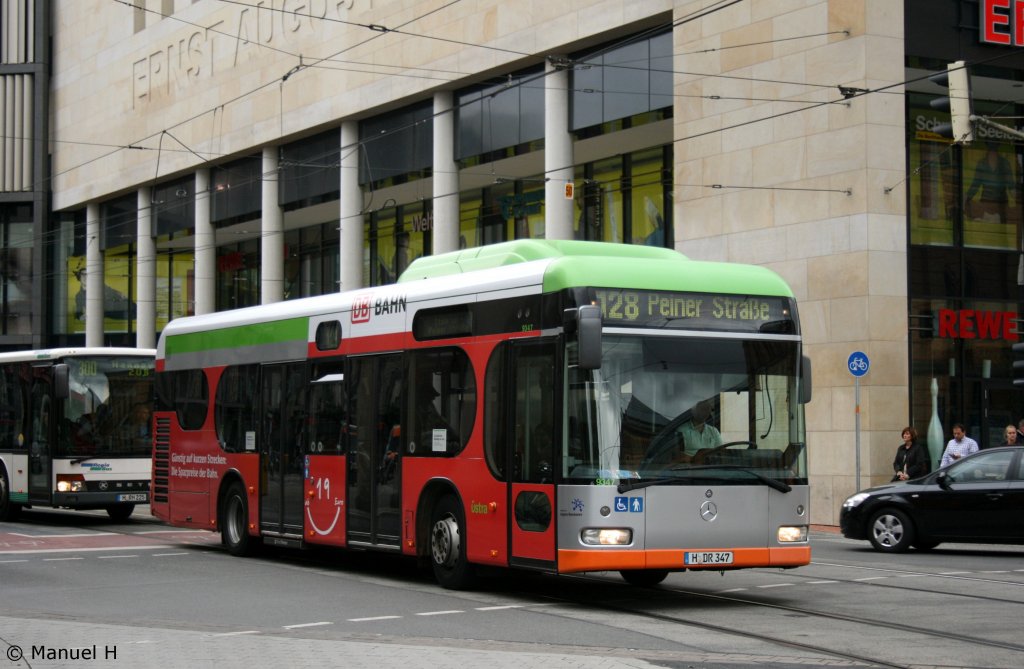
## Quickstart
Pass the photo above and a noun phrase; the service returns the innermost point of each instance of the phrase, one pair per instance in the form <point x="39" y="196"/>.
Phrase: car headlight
<point x="855" y="500"/>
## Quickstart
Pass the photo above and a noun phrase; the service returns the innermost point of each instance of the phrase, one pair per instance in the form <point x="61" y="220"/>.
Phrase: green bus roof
<point x="577" y="263"/>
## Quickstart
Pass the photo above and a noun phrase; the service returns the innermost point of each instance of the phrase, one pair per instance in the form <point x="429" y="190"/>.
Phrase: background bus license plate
<point x="132" y="497"/>
<point x="710" y="557"/>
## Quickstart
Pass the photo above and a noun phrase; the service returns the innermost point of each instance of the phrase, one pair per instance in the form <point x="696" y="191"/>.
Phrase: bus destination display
<point x="699" y="311"/>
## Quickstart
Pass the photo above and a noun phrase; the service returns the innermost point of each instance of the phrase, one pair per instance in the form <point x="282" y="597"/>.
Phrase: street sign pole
<point x="858" y="364"/>
<point x="856" y="441"/>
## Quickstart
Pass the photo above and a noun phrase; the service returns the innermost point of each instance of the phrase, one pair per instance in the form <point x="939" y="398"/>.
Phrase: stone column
<point x="446" y="177"/>
<point x="205" y="247"/>
<point x="145" y="272"/>
<point x="558" y="167"/>
<point x="271" y="232"/>
<point x="93" y="277"/>
<point x="350" y="210"/>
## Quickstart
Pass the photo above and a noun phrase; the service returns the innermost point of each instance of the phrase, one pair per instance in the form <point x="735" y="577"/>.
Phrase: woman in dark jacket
<point x="911" y="458"/>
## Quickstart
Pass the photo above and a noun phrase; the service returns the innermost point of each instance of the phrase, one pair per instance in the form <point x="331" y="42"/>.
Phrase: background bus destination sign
<point x="699" y="311"/>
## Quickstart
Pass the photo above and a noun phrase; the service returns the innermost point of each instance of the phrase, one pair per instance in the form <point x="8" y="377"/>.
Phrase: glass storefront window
<point x="238" y="275"/>
<point x="119" y="308"/>
<point x="16" y="270"/>
<point x="647" y="198"/>
<point x="991" y="202"/>
<point x="933" y="184"/>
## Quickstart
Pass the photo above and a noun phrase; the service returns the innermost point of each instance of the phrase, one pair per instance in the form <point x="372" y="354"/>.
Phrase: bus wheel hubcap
<point x="444" y="542"/>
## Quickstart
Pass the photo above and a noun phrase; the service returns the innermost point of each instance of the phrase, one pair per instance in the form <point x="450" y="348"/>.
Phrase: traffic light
<point x="958" y="103"/>
<point x="1018" y="365"/>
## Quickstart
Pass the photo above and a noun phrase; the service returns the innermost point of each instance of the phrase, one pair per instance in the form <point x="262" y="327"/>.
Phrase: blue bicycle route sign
<point x="858" y="363"/>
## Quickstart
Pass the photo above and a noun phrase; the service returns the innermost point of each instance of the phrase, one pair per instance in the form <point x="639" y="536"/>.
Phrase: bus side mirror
<point x="61" y="387"/>
<point x="805" y="380"/>
<point x="588" y="335"/>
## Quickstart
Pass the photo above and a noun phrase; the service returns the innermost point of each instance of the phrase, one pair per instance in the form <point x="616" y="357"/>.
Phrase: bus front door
<point x="282" y="421"/>
<point x="535" y="413"/>
<point x="40" y="457"/>
<point x="374" y="460"/>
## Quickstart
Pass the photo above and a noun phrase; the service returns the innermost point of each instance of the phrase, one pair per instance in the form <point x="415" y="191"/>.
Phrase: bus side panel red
<point x="324" y="490"/>
<point x="188" y="481"/>
<point x="483" y="501"/>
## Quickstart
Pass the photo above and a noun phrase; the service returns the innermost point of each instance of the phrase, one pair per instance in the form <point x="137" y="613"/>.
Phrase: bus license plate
<point x="707" y="557"/>
<point x="132" y="497"/>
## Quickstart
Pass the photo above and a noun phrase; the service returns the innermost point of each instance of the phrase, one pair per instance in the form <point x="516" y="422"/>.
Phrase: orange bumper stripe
<point x="570" y="561"/>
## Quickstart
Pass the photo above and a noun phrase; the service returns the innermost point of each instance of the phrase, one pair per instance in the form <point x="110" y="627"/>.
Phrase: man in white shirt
<point x="698" y="434"/>
<point x="959" y="446"/>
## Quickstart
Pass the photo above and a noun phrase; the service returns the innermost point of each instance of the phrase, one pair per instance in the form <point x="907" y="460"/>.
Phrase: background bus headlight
<point x="792" y="533"/>
<point x="607" y="536"/>
<point x="70" y="483"/>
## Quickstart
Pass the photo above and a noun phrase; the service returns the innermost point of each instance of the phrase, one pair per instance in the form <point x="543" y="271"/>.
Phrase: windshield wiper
<point x="767" y="480"/>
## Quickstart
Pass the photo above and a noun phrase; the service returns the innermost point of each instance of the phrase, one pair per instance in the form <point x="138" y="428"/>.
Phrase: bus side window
<point x="442" y="402"/>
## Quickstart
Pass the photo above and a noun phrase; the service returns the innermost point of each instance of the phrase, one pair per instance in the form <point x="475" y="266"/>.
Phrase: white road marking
<point x="295" y="627"/>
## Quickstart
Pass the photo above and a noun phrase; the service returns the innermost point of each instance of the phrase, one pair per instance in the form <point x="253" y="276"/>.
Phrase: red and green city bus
<point x="558" y="406"/>
<point x="75" y="429"/>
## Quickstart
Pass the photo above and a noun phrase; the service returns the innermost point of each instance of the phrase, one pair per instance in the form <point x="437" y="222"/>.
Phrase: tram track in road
<point x="945" y="635"/>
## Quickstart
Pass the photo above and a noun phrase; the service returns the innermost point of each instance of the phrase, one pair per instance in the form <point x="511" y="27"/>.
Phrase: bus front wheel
<point x="234" y="522"/>
<point x="448" y="546"/>
<point x="644" y="578"/>
<point x="8" y="509"/>
<point x="120" y="512"/>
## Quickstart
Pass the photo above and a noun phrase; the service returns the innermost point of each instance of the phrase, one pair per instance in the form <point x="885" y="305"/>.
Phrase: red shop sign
<point x="978" y="324"/>
<point x="1002" y="22"/>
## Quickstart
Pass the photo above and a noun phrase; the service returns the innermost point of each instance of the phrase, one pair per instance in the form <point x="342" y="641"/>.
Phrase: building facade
<point x="204" y="155"/>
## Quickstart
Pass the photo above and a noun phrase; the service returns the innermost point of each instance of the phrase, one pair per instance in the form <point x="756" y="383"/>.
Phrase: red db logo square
<point x="361" y="310"/>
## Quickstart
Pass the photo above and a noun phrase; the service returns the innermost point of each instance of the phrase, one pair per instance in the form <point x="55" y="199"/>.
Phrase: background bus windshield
<point x="671" y="407"/>
<point x="109" y="407"/>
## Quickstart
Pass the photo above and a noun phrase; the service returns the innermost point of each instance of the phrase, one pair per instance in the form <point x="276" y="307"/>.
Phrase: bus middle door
<point x="40" y="455"/>
<point x="282" y="421"/>
<point x="535" y="415"/>
<point x="374" y="464"/>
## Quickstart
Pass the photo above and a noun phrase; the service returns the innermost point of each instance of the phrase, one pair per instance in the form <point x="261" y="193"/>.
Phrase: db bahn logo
<point x="361" y="310"/>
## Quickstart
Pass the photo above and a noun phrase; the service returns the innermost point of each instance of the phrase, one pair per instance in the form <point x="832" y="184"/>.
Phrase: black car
<point x="978" y="499"/>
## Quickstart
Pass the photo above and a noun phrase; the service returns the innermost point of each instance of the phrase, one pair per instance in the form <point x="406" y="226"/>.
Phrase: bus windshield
<point x="108" y="409"/>
<point x="686" y="410"/>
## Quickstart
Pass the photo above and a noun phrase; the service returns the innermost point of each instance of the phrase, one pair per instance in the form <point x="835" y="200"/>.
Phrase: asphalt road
<point x="79" y="590"/>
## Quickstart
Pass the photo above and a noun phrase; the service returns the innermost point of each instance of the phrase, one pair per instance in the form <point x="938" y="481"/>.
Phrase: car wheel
<point x="890" y="531"/>
<point x="644" y="578"/>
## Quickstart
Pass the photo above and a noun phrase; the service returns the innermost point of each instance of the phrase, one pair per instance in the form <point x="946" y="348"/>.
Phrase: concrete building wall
<point x="782" y="172"/>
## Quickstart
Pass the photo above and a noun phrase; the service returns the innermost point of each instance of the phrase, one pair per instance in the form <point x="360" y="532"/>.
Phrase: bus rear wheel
<point x="448" y="546"/>
<point x="234" y="522"/>
<point x="120" y="512"/>
<point x="8" y="509"/>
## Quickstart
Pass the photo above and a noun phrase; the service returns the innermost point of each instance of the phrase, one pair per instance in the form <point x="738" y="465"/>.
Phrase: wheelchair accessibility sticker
<point x="629" y="504"/>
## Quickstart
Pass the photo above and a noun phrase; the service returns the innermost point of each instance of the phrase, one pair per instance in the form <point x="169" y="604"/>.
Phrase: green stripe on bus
<point x="19" y="497"/>
<point x="256" y="334"/>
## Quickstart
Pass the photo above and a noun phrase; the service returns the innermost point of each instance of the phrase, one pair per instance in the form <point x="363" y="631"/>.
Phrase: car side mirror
<point x="943" y="481"/>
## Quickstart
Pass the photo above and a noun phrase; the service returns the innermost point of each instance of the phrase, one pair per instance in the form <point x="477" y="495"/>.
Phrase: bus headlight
<point x="70" y="483"/>
<point x="792" y="533"/>
<point x="607" y="536"/>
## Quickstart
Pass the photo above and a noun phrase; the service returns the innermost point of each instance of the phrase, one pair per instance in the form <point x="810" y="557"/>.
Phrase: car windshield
<point x="108" y="407"/>
<point x="686" y="410"/>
